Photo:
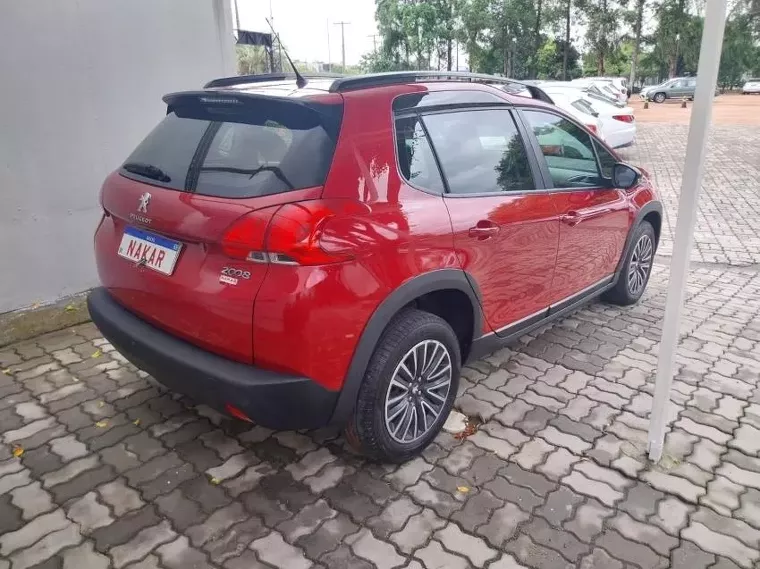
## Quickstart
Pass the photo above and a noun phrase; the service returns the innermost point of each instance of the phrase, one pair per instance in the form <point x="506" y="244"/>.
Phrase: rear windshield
<point x="252" y="152"/>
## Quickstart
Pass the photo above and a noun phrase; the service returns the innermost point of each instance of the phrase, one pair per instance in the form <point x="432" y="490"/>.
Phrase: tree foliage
<point x="652" y="39"/>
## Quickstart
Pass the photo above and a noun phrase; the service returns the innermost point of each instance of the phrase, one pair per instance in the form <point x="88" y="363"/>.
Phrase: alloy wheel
<point x="418" y="391"/>
<point x="640" y="265"/>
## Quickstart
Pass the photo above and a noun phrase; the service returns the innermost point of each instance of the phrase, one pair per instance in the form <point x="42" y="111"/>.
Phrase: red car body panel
<point x="594" y="226"/>
<point x="514" y="265"/>
<point x="308" y="320"/>
<point x="403" y="233"/>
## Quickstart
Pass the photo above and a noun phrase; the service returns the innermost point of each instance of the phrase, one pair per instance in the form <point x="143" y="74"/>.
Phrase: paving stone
<point x="167" y="481"/>
<point x="461" y="458"/>
<point x="721" y="544"/>
<point x="11" y="517"/>
<point x="631" y="551"/>
<point x="120" y="497"/>
<point x="722" y="524"/>
<point x="673" y="485"/>
<point x="249" y="479"/>
<point x="503" y="524"/>
<point x="556" y="437"/>
<point x="28" y="430"/>
<point x="477" y="510"/>
<point x="409" y="473"/>
<point x="88" y="513"/>
<point x="499" y="447"/>
<point x="750" y="507"/>
<point x="532" y="453"/>
<point x="328" y="536"/>
<point x="46" y="547"/>
<point x="179" y="555"/>
<point x="393" y="517"/>
<point x="143" y="543"/>
<point x="589" y="519"/>
<point x="306" y="520"/>
<point x="483" y="469"/>
<point x="70" y="471"/>
<point x="444" y="504"/>
<point x="558" y="464"/>
<point x="124" y="528"/>
<point x="528" y="551"/>
<point x="83" y="483"/>
<point x="559" y="506"/>
<point x="505" y="490"/>
<point x="593" y="488"/>
<point x="434" y="556"/>
<point x="329" y="477"/>
<point x="474" y="548"/>
<point x="564" y="542"/>
<point x="535" y="482"/>
<point x="417" y="531"/>
<point x="689" y="556"/>
<point x="378" y="490"/>
<point x="344" y="558"/>
<point x="31" y="500"/>
<point x="654" y="537"/>
<point x="274" y="550"/>
<point x="32" y="532"/>
<point x="599" y="559"/>
<point x="84" y="556"/>
<point x="234" y="541"/>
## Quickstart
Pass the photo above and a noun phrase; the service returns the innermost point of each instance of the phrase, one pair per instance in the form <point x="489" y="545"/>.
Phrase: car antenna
<point x="300" y="81"/>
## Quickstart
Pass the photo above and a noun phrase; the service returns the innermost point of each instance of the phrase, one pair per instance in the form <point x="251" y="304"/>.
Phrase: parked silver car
<point x="676" y="88"/>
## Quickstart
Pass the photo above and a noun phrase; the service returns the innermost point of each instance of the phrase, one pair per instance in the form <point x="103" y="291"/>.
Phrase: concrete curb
<point x="29" y="322"/>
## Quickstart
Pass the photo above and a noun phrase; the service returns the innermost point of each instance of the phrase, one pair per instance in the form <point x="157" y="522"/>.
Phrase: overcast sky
<point x="303" y="26"/>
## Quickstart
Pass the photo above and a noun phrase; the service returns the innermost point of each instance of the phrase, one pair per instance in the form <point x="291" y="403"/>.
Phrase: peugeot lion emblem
<point x="144" y="201"/>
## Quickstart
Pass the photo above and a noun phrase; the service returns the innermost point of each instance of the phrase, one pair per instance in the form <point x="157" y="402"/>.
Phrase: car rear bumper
<point x="274" y="400"/>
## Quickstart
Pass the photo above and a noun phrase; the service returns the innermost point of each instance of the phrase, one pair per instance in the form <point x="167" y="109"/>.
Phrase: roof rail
<point x="398" y="77"/>
<point x="263" y="77"/>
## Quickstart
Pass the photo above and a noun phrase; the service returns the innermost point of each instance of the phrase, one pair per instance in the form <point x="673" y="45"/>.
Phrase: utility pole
<point x="374" y="41"/>
<point x="237" y="18"/>
<point x="329" y="55"/>
<point x="343" y="41"/>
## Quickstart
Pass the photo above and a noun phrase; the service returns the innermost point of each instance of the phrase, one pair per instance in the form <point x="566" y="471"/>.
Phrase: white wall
<point x="80" y="85"/>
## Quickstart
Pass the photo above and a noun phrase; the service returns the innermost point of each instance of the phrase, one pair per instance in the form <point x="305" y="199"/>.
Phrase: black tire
<point x="628" y="290"/>
<point x="659" y="98"/>
<point x="367" y="430"/>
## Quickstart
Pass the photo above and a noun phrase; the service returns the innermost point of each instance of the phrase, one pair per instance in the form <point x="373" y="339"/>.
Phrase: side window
<point x="415" y="157"/>
<point x="691" y="83"/>
<point x="568" y="150"/>
<point x="480" y="151"/>
<point x="606" y="160"/>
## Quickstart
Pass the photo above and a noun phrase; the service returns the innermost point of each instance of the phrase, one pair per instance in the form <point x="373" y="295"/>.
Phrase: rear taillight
<point x="293" y="234"/>
<point x="623" y="118"/>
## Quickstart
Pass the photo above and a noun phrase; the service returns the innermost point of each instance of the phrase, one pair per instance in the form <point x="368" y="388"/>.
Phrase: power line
<point x="343" y="40"/>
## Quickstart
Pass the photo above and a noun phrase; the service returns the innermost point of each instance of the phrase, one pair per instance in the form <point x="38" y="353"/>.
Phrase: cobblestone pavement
<point x="728" y="222"/>
<point x="117" y="473"/>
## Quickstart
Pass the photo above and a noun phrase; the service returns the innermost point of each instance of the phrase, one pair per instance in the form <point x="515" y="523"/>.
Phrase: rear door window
<point x="242" y="155"/>
<point x="481" y="151"/>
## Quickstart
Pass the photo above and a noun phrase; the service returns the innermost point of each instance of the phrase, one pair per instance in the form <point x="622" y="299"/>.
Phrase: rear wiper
<point x="147" y="170"/>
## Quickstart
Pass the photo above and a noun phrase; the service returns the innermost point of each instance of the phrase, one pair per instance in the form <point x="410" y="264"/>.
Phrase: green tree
<point x="602" y="17"/>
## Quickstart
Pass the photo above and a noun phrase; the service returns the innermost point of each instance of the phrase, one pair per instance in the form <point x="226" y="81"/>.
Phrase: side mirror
<point x="624" y="176"/>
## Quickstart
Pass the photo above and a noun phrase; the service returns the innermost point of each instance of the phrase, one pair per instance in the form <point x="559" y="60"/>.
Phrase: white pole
<point x="707" y="77"/>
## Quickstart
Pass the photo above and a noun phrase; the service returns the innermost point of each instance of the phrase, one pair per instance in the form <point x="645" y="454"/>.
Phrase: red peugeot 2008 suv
<point x="331" y="253"/>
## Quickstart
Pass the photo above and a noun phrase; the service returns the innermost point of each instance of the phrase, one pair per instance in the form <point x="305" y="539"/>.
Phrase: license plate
<point x="150" y="250"/>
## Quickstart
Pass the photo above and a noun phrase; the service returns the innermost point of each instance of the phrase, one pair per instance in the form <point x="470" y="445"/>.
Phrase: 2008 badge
<point x="233" y="272"/>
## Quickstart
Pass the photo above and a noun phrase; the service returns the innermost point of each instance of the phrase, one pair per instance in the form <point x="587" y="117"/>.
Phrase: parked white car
<point x="752" y="86"/>
<point x="617" y="125"/>
<point x="605" y="85"/>
<point x="620" y="83"/>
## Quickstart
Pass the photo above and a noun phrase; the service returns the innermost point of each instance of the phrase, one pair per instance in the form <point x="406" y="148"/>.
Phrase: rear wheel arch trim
<point x="654" y="206"/>
<point x="438" y="280"/>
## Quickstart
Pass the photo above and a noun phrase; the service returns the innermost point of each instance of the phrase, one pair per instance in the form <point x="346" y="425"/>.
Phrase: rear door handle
<point x="484" y="230"/>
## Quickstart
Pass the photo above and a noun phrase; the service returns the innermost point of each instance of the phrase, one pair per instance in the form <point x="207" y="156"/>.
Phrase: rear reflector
<point x="623" y="118"/>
